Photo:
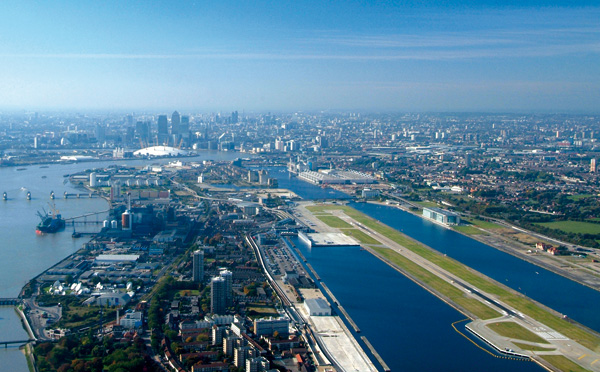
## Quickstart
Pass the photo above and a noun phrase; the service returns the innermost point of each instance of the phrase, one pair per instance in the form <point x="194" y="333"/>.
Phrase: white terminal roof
<point x="117" y="258"/>
<point x="331" y="239"/>
<point x="160" y="151"/>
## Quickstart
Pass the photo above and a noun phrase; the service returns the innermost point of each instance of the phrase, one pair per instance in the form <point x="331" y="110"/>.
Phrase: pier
<point x="340" y="307"/>
<point x="376" y="354"/>
<point x="300" y="254"/>
<point x="326" y="288"/>
<point x="313" y="272"/>
<point x="356" y="329"/>
<point x="72" y="220"/>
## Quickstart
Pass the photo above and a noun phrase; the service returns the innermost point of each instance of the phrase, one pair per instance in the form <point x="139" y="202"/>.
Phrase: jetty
<point x="376" y="354"/>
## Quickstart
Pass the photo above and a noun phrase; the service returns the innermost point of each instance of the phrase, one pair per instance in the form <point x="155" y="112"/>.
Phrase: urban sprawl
<point x="196" y="267"/>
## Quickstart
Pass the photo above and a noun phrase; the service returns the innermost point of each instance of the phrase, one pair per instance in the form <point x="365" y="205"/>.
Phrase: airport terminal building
<point x="441" y="216"/>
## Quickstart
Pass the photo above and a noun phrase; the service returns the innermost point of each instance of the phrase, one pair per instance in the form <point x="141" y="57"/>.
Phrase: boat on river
<point x="50" y="223"/>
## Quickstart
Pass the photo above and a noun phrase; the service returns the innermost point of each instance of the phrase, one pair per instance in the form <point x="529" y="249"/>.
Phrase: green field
<point x="579" y="196"/>
<point x="334" y="222"/>
<point x="256" y="311"/>
<point x="563" y="363"/>
<point x="187" y="292"/>
<point x="469" y="230"/>
<point x="576" y="227"/>
<point x="485" y="224"/>
<point x="428" y="204"/>
<point x="522" y="304"/>
<point x="514" y="330"/>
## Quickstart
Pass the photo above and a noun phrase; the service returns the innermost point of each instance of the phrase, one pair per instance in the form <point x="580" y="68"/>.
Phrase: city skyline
<point x="530" y="56"/>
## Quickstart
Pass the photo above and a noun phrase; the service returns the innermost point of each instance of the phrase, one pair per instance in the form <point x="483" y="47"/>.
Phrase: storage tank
<point x="126" y="220"/>
<point x="114" y="224"/>
<point x="105" y="224"/>
<point x="93" y="180"/>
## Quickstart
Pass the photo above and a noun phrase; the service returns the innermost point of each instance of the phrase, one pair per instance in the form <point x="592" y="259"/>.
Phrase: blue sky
<point x="532" y="56"/>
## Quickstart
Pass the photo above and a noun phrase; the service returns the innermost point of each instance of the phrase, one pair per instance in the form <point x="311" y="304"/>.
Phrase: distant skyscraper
<point x="184" y="127"/>
<point x="175" y="122"/>
<point x="234" y="117"/>
<point x="198" y="269"/>
<point x="129" y="134"/>
<point x="115" y="191"/>
<point x="100" y="133"/>
<point x="184" y="130"/>
<point x="217" y="295"/>
<point x="593" y="166"/>
<point x="163" y="129"/>
<point x="322" y="141"/>
<point x="228" y="277"/>
<point x="142" y="130"/>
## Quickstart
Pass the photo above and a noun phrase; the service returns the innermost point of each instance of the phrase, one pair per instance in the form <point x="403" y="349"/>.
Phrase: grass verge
<point x="562" y="363"/>
<point x="514" y="330"/>
<point x="361" y="236"/>
<point x="485" y="224"/>
<point x="469" y="230"/>
<point x="532" y="347"/>
<point x="334" y="222"/>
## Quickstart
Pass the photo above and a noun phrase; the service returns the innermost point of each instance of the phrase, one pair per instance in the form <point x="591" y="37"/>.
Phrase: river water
<point x="23" y="253"/>
<point x="409" y="327"/>
<point x="563" y="295"/>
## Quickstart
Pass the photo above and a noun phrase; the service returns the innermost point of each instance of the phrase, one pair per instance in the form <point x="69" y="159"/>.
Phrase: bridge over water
<point x="9" y="301"/>
<point x="67" y="195"/>
<point x="19" y="342"/>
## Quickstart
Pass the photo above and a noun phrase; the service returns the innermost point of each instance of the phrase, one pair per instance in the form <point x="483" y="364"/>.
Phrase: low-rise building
<point x="317" y="307"/>
<point x="132" y="319"/>
<point x="268" y="326"/>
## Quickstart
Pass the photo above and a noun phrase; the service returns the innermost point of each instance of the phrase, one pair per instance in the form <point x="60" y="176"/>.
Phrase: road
<point x="40" y="317"/>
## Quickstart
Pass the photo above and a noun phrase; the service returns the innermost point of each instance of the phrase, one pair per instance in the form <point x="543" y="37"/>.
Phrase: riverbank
<point x="28" y="347"/>
<point x="556" y="264"/>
